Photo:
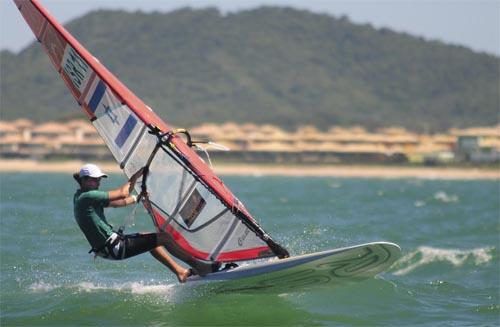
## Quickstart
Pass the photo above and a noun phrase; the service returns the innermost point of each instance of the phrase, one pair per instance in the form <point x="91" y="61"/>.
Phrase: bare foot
<point x="183" y="276"/>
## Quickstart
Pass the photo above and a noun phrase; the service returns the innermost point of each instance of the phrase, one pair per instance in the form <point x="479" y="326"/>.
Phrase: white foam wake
<point x="446" y="198"/>
<point x="425" y="255"/>
<point x="132" y="287"/>
<point x="440" y="196"/>
<point x="40" y="287"/>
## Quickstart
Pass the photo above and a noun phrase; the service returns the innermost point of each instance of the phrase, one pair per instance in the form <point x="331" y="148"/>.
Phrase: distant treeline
<point x="269" y="65"/>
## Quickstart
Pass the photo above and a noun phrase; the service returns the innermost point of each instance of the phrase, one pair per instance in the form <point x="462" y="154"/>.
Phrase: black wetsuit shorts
<point x="130" y="245"/>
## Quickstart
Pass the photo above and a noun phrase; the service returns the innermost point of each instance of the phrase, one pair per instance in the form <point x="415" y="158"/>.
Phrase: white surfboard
<point x="344" y="264"/>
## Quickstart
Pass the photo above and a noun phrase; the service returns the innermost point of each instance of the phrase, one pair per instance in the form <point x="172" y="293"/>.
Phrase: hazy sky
<point x="472" y="23"/>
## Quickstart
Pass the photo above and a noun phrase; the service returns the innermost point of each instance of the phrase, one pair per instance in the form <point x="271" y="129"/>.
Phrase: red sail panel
<point x="54" y="45"/>
<point x="32" y="16"/>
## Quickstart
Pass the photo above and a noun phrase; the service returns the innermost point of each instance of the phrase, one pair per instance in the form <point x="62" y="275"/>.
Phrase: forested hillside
<point x="268" y="65"/>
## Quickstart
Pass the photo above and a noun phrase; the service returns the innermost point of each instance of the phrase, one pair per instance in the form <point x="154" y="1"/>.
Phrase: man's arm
<point x="131" y="199"/>
<point x="121" y="196"/>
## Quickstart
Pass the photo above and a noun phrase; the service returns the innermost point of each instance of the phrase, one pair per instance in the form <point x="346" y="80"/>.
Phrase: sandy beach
<point x="345" y="171"/>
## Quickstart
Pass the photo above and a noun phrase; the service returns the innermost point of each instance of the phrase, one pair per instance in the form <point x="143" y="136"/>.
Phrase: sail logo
<point x="114" y="120"/>
<point x="112" y="116"/>
<point x="242" y="238"/>
<point x="192" y="208"/>
<point x="76" y="68"/>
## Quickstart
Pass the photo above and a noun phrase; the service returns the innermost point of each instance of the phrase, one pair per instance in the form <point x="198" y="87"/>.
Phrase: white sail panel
<point x="139" y="155"/>
<point x="116" y="123"/>
<point x="166" y="174"/>
<point x="193" y="211"/>
<point x="239" y="238"/>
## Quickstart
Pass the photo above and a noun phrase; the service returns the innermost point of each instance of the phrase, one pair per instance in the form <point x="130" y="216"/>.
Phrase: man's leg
<point x="200" y="267"/>
<point x="161" y="255"/>
<point x="154" y="243"/>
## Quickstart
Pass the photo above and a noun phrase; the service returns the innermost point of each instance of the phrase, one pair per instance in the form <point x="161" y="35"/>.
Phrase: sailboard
<point x="185" y="197"/>
<point x="332" y="267"/>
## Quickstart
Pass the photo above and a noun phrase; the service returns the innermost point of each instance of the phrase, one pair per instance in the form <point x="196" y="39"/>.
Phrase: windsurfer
<point x="89" y="203"/>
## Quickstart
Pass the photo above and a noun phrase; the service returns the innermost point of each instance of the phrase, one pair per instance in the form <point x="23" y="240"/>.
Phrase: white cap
<point x="91" y="170"/>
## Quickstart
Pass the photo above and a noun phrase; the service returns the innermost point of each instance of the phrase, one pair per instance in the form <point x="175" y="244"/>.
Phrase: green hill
<point x="269" y="65"/>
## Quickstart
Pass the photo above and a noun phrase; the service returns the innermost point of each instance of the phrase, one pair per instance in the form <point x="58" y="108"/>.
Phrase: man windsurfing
<point x="89" y="203"/>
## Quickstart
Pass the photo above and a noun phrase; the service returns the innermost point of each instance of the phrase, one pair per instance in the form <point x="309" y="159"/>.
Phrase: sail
<point x="185" y="198"/>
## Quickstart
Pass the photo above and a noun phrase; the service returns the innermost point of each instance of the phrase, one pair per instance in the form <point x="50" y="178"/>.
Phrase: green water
<point x="448" y="275"/>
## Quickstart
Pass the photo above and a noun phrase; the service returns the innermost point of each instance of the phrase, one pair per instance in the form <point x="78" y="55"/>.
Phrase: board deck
<point x="331" y="266"/>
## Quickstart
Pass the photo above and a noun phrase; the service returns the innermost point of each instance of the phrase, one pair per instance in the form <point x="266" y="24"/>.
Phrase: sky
<point x="471" y="23"/>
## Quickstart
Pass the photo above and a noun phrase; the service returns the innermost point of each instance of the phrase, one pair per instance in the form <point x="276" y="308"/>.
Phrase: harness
<point x="110" y="242"/>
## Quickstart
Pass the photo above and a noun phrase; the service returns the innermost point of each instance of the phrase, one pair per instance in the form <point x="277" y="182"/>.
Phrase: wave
<point x="425" y="255"/>
<point x="132" y="287"/>
<point x="445" y="198"/>
<point x="440" y="197"/>
<point x="40" y="287"/>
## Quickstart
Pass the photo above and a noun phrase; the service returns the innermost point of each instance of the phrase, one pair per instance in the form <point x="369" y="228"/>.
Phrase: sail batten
<point x="185" y="198"/>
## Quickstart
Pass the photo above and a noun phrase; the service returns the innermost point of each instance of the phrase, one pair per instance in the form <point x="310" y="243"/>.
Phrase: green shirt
<point x="89" y="214"/>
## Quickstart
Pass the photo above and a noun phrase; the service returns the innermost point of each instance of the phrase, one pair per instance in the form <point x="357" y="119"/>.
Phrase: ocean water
<point x="448" y="274"/>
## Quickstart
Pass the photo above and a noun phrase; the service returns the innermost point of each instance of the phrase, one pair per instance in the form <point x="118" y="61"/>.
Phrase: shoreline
<point x="341" y="171"/>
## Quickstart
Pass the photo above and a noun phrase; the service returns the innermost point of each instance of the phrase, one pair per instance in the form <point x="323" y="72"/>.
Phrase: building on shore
<point x="478" y="145"/>
<point x="77" y="139"/>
